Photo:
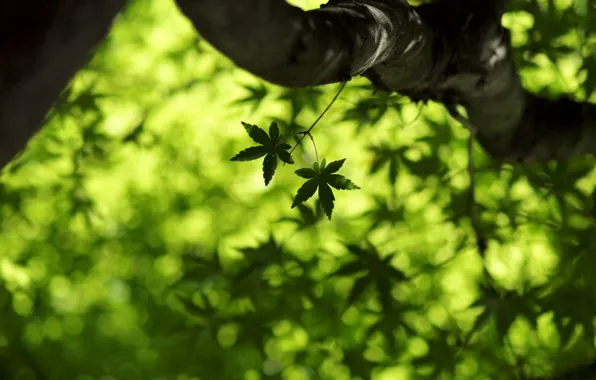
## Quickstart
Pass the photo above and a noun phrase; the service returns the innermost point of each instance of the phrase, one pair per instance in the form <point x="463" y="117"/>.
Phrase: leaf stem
<point x="307" y="132"/>
<point x="314" y="145"/>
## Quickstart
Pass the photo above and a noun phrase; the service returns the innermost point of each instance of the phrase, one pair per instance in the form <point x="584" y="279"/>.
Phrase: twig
<point x="307" y="132"/>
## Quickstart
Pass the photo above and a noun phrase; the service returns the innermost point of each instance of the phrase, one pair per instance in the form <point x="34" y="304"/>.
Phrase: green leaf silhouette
<point x="249" y="154"/>
<point x="274" y="131"/>
<point x="386" y="155"/>
<point x="327" y="198"/>
<point x="271" y="146"/>
<point x="309" y="217"/>
<point x="359" y="288"/>
<point x="306" y="173"/>
<point x="333" y="167"/>
<point x="349" y="268"/>
<point x="341" y="183"/>
<point x="269" y="166"/>
<point x="257" y="134"/>
<point x="305" y="191"/>
<point x="255" y="96"/>
<point x="284" y="155"/>
<point x="321" y="177"/>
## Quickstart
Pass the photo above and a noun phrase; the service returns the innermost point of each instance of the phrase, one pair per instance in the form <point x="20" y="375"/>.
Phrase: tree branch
<point x="294" y="48"/>
<point x="450" y="51"/>
<point x="41" y="47"/>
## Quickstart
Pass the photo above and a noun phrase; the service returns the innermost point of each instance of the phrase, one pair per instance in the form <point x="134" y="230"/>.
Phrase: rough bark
<point x="42" y="45"/>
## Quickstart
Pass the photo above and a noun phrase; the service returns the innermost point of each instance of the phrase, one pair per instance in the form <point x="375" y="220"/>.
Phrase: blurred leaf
<point x="572" y="307"/>
<point x="327" y="198"/>
<point x="309" y="217"/>
<point x="375" y="271"/>
<point x="383" y="211"/>
<point x="255" y="96"/>
<point x="385" y="155"/>
<point x="504" y="308"/>
<point x="441" y="355"/>
<point x="301" y="99"/>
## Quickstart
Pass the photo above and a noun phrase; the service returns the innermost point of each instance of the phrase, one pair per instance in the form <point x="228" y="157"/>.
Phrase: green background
<point x="132" y="248"/>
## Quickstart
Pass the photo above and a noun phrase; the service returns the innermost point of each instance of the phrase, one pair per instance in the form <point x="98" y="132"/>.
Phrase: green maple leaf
<point x="371" y="271"/>
<point x="255" y="96"/>
<point x="271" y="146"/>
<point x="386" y="155"/>
<point x="384" y="212"/>
<point x="504" y="307"/>
<point x="322" y="177"/>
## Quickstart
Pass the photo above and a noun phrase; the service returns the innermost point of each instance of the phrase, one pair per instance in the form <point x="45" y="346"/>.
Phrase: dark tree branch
<point x="450" y="51"/>
<point x="294" y="48"/>
<point x="42" y="45"/>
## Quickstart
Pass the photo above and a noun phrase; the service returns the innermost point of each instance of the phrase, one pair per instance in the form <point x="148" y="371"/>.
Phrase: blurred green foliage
<point x="132" y="248"/>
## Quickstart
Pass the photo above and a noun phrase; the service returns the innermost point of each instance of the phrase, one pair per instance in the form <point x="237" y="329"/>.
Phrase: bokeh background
<point x="132" y="248"/>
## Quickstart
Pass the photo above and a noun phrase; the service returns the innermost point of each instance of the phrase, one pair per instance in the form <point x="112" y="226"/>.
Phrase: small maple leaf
<point x="322" y="177"/>
<point x="271" y="146"/>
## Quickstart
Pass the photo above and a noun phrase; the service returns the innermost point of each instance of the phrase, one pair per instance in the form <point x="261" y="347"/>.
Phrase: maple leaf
<point x="271" y="146"/>
<point x="371" y="271"/>
<point x="384" y="154"/>
<point x="255" y="96"/>
<point x="504" y="307"/>
<point x="308" y="216"/>
<point x="322" y="177"/>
